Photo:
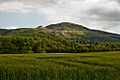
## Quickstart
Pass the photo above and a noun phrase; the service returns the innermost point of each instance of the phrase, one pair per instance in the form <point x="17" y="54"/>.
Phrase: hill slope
<point x="64" y="30"/>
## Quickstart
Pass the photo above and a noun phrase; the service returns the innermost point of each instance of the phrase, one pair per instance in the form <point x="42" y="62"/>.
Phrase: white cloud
<point x="18" y="7"/>
<point x="97" y="14"/>
<point x="12" y="27"/>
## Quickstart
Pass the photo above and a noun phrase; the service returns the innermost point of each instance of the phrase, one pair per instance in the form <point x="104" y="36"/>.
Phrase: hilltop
<point x="65" y="30"/>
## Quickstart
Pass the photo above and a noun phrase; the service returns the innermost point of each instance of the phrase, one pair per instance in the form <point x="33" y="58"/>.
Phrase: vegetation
<point x="64" y="30"/>
<point x="84" y="66"/>
<point x="59" y="38"/>
<point x="19" y="44"/>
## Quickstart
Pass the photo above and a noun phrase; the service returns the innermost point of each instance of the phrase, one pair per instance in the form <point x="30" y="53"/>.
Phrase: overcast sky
<point x="95" y="14"/>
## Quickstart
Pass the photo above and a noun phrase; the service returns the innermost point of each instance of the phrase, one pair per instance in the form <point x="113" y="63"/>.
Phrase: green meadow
<point x="59" y="66"/>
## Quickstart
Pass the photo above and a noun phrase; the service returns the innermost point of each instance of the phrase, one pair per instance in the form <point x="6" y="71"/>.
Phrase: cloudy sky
<point x="95" y="14"/>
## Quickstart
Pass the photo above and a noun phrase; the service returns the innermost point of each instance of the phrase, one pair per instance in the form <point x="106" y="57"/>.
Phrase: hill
<point x="57" y="38"/>
<point x="65" y="30"/>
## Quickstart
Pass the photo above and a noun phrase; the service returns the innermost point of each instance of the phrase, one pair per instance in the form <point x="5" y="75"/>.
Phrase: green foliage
<point x="85" y="66"/>
<point x="64" y="30"/>
<point x="19" y="44"/>
<point x="57" y="38"/>
<point x="14" y="44"/>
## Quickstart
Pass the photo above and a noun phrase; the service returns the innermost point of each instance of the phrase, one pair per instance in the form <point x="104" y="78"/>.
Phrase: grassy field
<point x="82" y="66"/>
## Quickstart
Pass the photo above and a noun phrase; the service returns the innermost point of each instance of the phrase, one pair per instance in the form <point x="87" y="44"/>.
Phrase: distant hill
<point x="64" y="30"/>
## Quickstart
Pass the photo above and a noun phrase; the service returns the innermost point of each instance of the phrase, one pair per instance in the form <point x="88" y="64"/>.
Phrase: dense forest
<point x="19" y="44"/>
<point x="57" y="38"/>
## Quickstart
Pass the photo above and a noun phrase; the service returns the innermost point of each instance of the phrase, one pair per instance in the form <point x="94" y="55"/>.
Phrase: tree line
<point x="20" y="44"/>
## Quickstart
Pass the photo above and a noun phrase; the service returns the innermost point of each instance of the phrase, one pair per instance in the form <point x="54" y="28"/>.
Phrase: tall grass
<point x="84" y="66"/>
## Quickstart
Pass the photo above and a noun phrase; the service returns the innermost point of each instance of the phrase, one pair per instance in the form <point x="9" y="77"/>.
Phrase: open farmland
<point x="78" y="66"/>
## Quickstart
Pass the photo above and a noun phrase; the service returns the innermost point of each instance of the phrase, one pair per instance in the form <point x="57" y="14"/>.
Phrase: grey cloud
<point x="116" y="1"/>
<point x="40" y="2"/>
<point x="105" y="15"/>
<point x="113" y="15"/>
<point x="99" y="13"/>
